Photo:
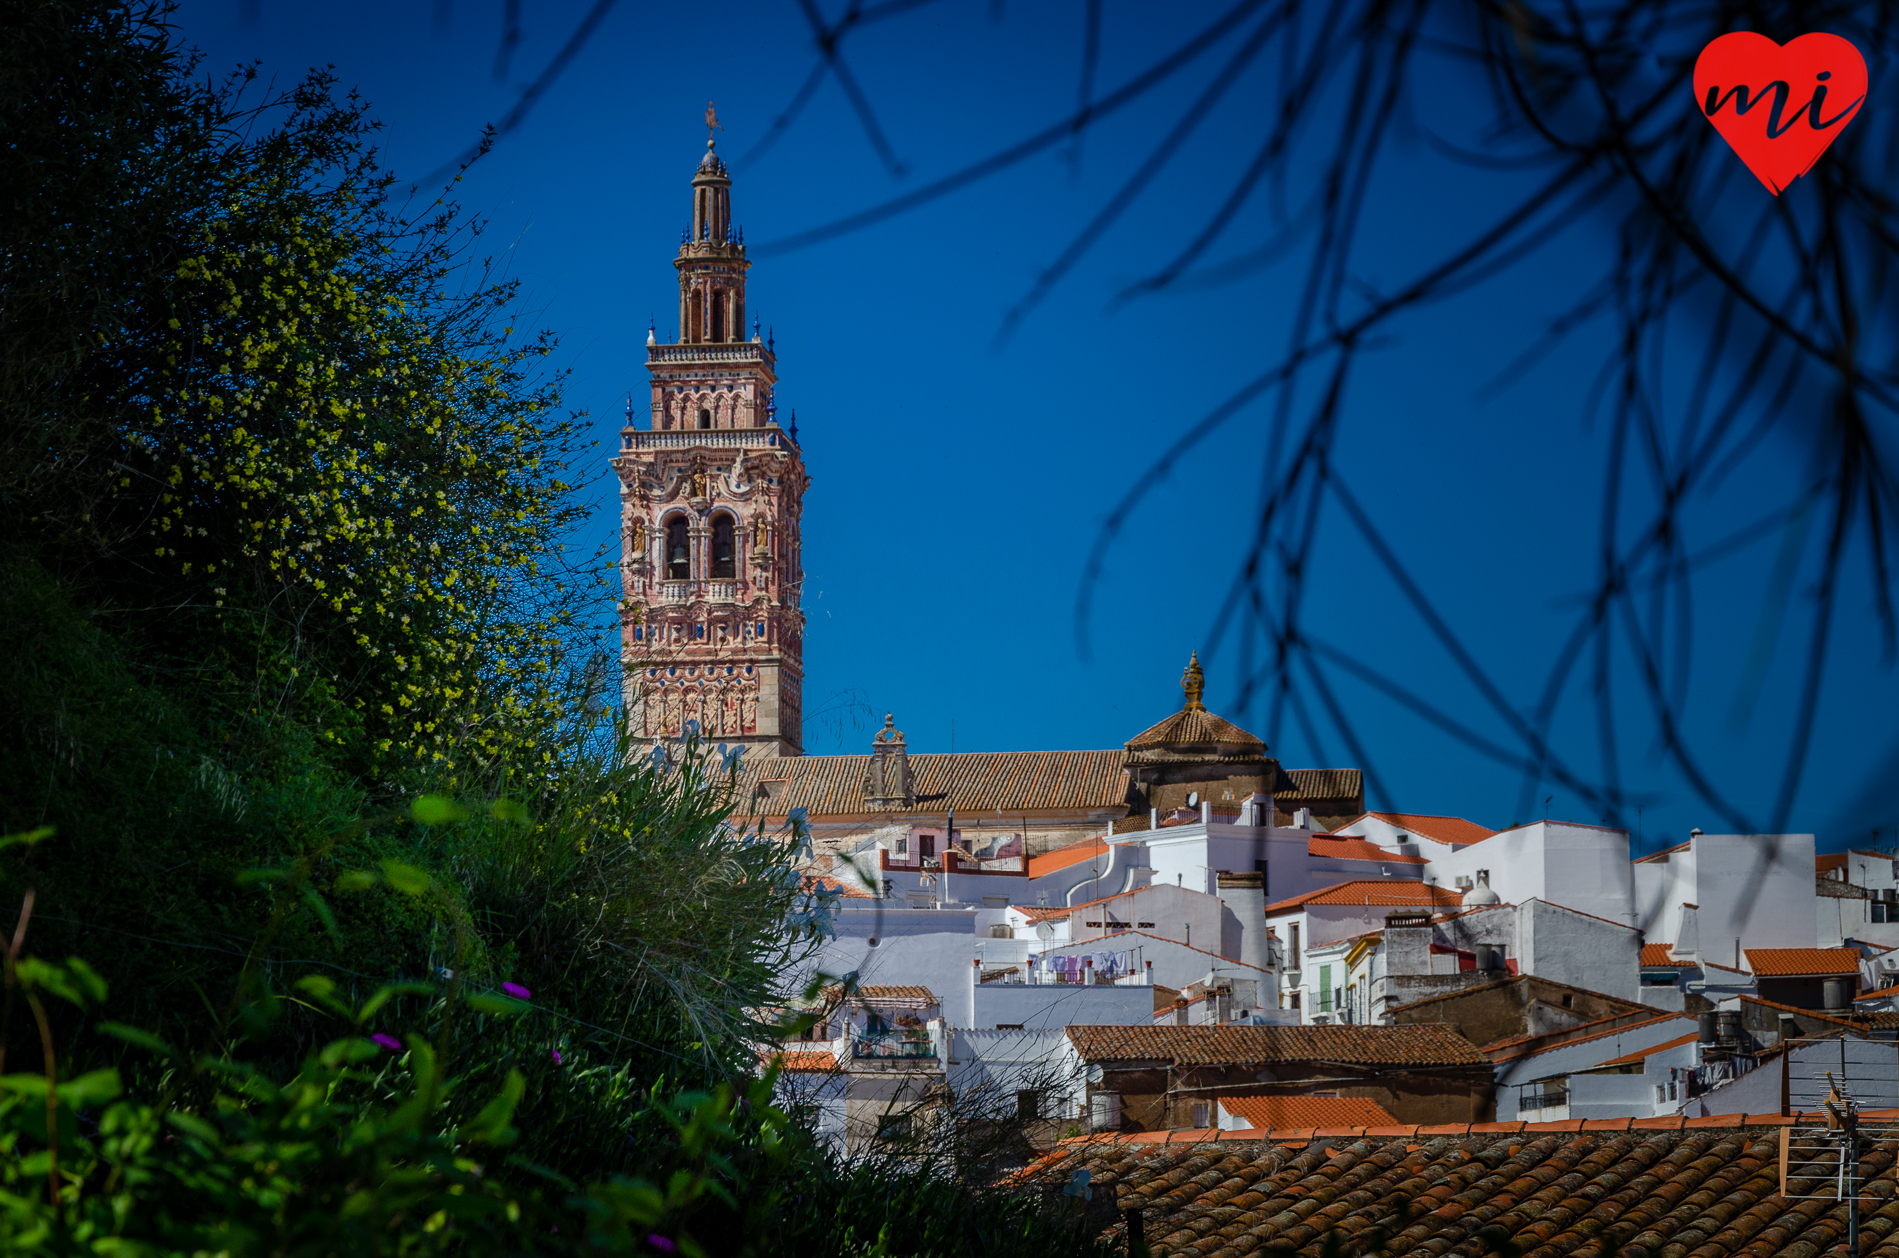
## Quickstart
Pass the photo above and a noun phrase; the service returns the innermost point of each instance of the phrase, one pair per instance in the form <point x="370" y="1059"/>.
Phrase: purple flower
<point x="660" y="1243"/>
<point x="389" y="1042"/>
<point x="556" y="1057"/>
<point x="517" y="991"/>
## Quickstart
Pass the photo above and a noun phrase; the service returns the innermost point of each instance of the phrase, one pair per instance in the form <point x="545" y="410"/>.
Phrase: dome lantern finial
<point x="1194" y="682"/>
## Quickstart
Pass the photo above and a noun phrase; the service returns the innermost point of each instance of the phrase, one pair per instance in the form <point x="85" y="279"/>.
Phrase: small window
<point x="1569" y="1002"/>
<point x="893" y="1128"/>
<point x="723" y="546"/>
<point x="903" y="847"/>
<point x="678" y="550"/>
<point x="926" y="844"/>
<point x="1028" y="1103"/>
<point x="705" y="418"/>
<point x="1201" y="1112"/>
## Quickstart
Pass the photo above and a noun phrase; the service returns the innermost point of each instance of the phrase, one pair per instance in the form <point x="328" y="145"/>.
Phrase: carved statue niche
<point x="887" y="782"/>
<point x="761" y="543"/>
<point x="698" y="482"/>
<point x="638" y="546"/>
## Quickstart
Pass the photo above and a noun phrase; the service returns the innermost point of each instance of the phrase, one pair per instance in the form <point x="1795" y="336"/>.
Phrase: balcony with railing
<point x="721" y="591"/>
<point x="710" y="352"/>
<point x="768" y="437"/>
<point x="907" y="1043"/>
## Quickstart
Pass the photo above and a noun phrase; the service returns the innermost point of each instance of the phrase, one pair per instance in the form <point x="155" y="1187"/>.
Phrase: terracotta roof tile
<point x="1628" y="1059"/>
<point x="1207" y="1045"/>
<point x="1453" y="830"/>
<point x="907" y="994"/>
<point x="1196" y="734"/>
<point x="1656" y="956"/>
<point x="1799" y="962"/>
<point x="1707" y="1188"/>
<point x="1351" y="848"/>
<point x="1521" y="1046"/>
<point x="1345" y="786"/>
<point x="823" y="882"/>
<point x="1378" y="893"/>
<point x="806" y="1062"/>
<point x="1263" y="1112"/>
<point x="1063" y="857"/>
<point x="974" y="781"/>
<point x="1884" y="993"/>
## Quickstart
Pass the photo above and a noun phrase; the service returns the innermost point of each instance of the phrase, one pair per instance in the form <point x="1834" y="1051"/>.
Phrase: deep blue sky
<point x="958" y="485"/>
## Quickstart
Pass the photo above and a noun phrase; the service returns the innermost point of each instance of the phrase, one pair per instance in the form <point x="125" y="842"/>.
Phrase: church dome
<point x="1194" y="735"/>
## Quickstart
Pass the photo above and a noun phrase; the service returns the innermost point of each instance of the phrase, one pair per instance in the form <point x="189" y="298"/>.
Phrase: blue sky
<point x="958" y="483"/>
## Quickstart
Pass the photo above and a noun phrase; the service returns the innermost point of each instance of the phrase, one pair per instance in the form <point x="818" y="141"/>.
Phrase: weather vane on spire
<point x="712" y="122"/>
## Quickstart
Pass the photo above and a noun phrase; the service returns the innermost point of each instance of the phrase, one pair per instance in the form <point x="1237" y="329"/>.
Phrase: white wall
<point x="987" y="1068"/>
<point x="1051" y="1006"/>
<point x="1568" y="1058"/>
<point x="1192" y="856"/>
<point x="1583" y="951"/>
<point x="931" y="948"/>
<point x="1387" y="834"/>
<point x="1175" y="964"/>
<point x="1581" y="867"/>
<point x="1755" y="888"/>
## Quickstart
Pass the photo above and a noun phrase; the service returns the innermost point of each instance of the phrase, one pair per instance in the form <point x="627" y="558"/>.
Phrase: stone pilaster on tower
<point x="711" y="498"/>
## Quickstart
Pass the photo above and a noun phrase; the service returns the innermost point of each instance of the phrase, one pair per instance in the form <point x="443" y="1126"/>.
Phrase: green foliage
<point x="272" y="405"/>
<point x="373" y="945"/>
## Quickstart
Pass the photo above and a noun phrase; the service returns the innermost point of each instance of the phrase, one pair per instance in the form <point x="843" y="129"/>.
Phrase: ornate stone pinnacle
<point x="1194" y="682"/>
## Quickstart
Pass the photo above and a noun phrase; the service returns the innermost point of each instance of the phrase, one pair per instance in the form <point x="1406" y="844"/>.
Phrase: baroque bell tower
<point x="711" y="494"/>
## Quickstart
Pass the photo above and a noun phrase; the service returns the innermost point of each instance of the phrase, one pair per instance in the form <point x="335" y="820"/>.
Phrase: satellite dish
<point x="1044" y="932"/>
<point x="1193" y="799"/>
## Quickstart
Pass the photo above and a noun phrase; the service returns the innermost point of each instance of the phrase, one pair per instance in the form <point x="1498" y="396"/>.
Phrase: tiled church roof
<point x="1707" y="1188"/>
<point x="975" y="781"/>
<point x="1194" y="735"/>
<point x="983" y="781"/>
<point x="1323" y="784"/>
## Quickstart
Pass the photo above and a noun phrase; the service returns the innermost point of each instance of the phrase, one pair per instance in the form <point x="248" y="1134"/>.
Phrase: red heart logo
<point x="1779" y="106"/>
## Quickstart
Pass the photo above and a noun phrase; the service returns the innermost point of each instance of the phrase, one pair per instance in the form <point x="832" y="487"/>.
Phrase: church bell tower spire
<point x="712" y="497"/>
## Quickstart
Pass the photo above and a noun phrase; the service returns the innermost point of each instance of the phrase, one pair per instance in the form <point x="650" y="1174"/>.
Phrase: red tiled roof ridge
<point x="1800" y="962"/>
<point x="1584" y="1039"/>
<point x="1667" y="851"/>
<point x="1062" y="857"/>
<point x="1658" y="955"/>
<point x="1378" y="853"/>
<point x="1409" y="821"/>
<point x="1510" y="1040"/>
<point x="1429" y="896"/>
<point x="801" y="1060"/>
<point x="1642" y="1053"/>
<point x="1884" y="993"/>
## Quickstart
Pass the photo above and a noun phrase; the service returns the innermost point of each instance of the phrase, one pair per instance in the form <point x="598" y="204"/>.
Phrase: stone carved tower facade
<point x="711" y="495"/>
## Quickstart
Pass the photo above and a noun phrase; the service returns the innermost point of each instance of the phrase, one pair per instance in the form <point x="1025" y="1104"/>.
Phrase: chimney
<point x="1407" y="943"/>
<point x="1244" y="895"/>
